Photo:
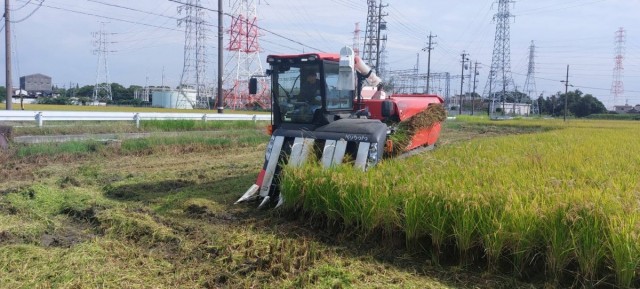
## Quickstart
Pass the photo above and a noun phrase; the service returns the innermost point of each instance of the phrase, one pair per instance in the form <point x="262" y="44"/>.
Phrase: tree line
<point x="578" y="103"/>
<point x="120" y="95"/>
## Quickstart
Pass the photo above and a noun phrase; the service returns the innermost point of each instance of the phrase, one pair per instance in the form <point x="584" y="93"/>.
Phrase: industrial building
<point x="514" y="108"/>
<point x="36" y="84"/>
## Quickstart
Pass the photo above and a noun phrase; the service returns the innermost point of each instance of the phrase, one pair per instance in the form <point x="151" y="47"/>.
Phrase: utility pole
<point x="7" y="37"/>
<point x="428" y="49"/>
<point x="473" y="94"/>
<point x="566" y="91"/>
<point x="220" y="105"/>
<point x="416" y="72"/>
<point x="492" y="106"/>
<point x="464" y="59"/>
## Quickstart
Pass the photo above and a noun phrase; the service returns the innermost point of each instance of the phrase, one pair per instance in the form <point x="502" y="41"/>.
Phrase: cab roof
<point x="321" y="56"/>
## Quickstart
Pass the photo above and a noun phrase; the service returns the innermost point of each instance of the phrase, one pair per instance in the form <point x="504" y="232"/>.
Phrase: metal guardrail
<point x="40" y="116"/>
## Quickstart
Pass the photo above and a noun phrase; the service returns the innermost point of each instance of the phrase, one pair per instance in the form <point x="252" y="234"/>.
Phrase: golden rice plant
<point x="567" y="195"/>
<point x="624" y="247"/>
<point x="559" y="248"/>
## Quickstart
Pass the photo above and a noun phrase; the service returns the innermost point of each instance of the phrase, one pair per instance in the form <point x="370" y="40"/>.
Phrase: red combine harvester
<point x="320" y="105"/>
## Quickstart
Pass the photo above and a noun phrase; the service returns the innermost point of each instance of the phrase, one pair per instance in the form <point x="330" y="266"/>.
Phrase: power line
<point x="549" y="9"/>
<point x="261" y="28"/>
<point x="30" y="14"/>
<point x="133" y="9"/>
<point x="575" y="85"/>
<point x="23" y="5"/>
<point x="110" y="18"/>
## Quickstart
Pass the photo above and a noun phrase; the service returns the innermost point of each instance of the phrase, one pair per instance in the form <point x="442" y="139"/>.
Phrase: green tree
<point x="58" y="90"/>
<point x="132" y="89"/>
<point x="542" y="105"/>
<point x="119" y="92"/>
<point x="578" y="105"/>
<point x="86" y="91"/>
<point x="588" y="105"/>
<point x="3" y="93"/>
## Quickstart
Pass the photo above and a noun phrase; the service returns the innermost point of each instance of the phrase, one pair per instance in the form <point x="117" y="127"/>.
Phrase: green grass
<point x="190" y="125"/>
<point x="47" y="149"/>
<point x="184" y="141"/>
<point x="84" y="127"/>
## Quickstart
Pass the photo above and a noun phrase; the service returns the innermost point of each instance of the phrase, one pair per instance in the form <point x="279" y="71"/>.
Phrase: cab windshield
<point x="298" y="91"/>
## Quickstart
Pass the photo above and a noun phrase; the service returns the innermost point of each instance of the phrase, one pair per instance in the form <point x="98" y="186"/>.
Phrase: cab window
<point x="336" y="99"/>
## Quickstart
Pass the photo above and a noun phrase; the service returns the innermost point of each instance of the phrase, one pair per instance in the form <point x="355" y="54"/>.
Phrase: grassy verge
<point x="89" y="127"/>
<point x="181" y="142"/>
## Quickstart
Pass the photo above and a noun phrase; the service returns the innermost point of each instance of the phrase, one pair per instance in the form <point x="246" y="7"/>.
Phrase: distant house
<point x="36" y="84"/>
<point x="626" y="108"/>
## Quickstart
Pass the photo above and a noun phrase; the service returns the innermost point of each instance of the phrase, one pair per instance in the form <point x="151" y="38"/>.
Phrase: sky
<point x="146" y="45"/>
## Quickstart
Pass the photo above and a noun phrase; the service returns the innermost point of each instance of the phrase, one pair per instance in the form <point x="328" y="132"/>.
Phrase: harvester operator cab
<point x="304" y="90"/>
<point x="310" y="87"/>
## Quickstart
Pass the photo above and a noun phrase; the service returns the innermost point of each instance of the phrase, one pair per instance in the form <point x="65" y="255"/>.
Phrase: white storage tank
<point x="185" y="99"/>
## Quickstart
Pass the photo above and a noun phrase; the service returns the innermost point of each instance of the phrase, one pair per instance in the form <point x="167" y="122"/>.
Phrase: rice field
<point x="562" y="205"/>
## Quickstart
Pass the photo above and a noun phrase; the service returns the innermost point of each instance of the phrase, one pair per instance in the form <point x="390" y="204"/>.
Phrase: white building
<point x="514" y="108"/>
<point x="174" y="98"/>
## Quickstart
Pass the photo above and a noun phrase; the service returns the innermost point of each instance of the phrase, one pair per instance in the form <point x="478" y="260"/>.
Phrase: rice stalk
<point x="624" y="248"/>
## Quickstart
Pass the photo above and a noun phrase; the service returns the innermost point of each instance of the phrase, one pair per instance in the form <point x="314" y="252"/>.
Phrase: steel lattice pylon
<point x="373" y="40"/>
<point x="371" y="30"/>
<point x="193" y="79"/>
<point x="102" y="73"/>
<point x="617" y="86"/>
<point x="244" y="47"/>
<point x="500" y="83"/>
<point x="356" y="39"/>
<point x="530" y="83"/>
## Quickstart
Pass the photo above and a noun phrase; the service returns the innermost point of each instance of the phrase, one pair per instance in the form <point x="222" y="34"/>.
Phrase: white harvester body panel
<point x="272" y="164"/>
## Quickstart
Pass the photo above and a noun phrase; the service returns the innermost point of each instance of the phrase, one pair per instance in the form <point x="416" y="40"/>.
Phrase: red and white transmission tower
<point x="356" y="39"/>
<point x="617" y="86"/>
<point x="244" y="51"/>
